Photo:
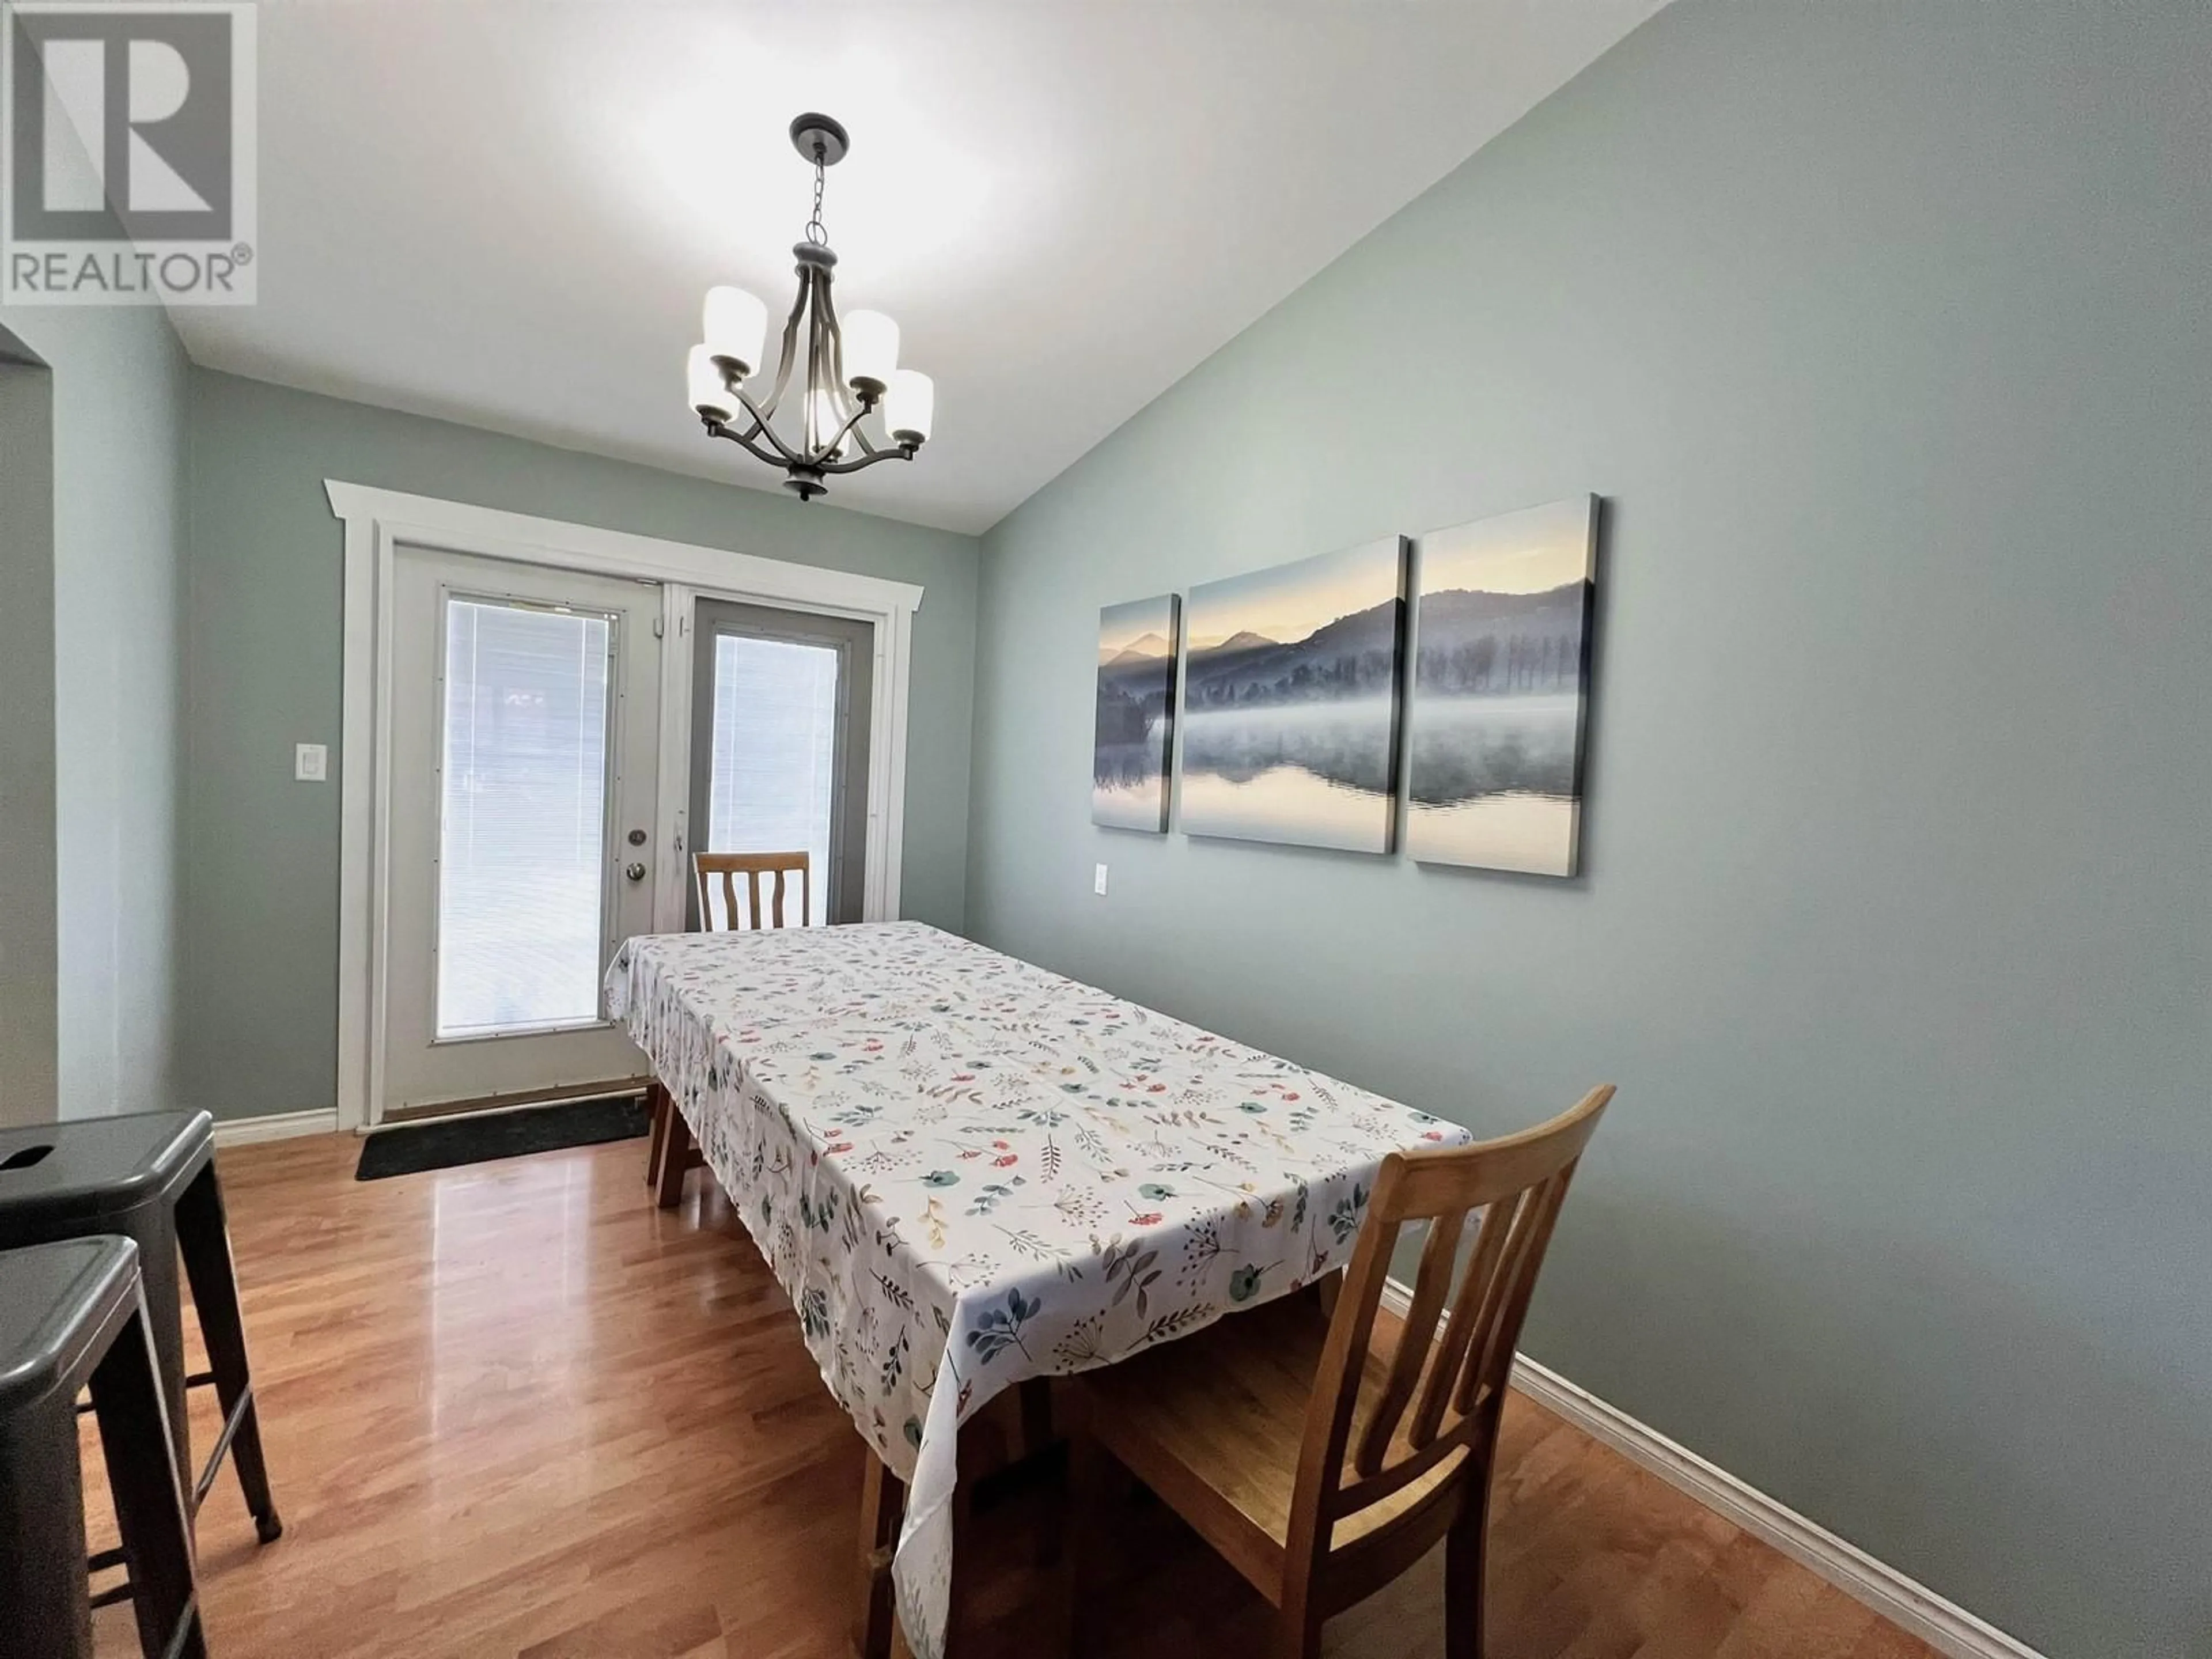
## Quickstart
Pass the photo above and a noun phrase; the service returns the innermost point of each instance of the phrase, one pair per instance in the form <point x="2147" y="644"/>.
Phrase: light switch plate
<point x="310" y="763"/>
<point x="1098" y="882"/>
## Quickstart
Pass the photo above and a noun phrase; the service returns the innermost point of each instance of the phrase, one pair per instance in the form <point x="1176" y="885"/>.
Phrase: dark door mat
<point x="485" y="1136"/>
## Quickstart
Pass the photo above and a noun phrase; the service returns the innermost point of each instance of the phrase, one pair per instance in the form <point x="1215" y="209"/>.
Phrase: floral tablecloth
<point x="966" y="1171"/>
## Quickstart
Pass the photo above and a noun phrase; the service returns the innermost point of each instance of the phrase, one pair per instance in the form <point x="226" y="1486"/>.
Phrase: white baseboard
<point x="280" y="1125"/>
<point x="1903" y="1600"/>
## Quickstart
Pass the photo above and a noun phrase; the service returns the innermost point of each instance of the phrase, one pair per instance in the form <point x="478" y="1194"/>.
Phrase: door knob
<point x="636" y="871"/>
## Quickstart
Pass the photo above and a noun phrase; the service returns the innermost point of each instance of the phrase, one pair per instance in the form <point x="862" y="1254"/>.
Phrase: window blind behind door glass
<point x="775" y="758"/>
<point x="522" y="830"/>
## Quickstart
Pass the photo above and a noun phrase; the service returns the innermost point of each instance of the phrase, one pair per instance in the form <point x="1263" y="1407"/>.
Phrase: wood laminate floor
<point x="513" y="1410"/>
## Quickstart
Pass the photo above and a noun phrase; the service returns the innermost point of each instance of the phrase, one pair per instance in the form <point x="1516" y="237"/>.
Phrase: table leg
<point x="1037" y="1416"/>
<point x="883" y="1508"/>
<point x="959" y="1616"/>
<point x="674" y="1159"/>
<point x="1090" y="1478"/>
<point x="1327" y="1288"/>
<point x="876" y="1631"/>
<point x="1039" y="1435"/>
<point x="658" y="1106"/>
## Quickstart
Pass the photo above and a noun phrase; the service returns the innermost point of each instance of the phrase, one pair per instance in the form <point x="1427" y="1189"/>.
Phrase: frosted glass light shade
<point x="709" y="395"/>
<point x="910" y="407"/>
<point x="871" y="350"/>
<point x="737" y="325"/>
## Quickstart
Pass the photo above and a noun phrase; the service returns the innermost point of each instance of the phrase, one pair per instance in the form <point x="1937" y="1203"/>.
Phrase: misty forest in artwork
<point x="1500" y="687"/>
<point x="1136" y="714"/>
<point x="1290" y="728"/>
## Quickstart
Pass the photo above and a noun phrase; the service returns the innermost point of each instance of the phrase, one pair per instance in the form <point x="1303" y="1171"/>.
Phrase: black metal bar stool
<point x="74" y="1315"/>
<point x="151" y="1178"/>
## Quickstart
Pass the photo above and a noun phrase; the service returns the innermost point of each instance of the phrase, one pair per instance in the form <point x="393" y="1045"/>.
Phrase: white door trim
<point x="378" y="521"/>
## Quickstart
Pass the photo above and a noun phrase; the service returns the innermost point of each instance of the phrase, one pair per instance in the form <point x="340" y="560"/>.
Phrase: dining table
<point x="968" y="1173"/>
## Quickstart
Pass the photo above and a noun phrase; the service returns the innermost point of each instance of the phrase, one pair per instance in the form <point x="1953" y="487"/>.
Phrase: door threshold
<point x="396" y="1116"/>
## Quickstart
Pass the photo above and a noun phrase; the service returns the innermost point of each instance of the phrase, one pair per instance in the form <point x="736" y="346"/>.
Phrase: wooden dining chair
<point x="1321" y="1464"/>
<point x="672" y="1153"/>
<point x="752" y="867"/>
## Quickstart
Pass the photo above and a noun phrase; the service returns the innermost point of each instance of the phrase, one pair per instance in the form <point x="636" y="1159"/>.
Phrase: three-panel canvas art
<point x="1294" y="688"/>
<point x="1136" y="714"/>
<point x="1290" y="705"/>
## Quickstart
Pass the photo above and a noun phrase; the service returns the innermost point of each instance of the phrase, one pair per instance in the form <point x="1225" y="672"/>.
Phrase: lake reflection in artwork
<point x="1501" y="656"/>
<point x="1290" y="723"/>
<point x="1129" y="756"/>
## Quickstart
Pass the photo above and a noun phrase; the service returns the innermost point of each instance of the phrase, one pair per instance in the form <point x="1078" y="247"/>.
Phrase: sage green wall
<point x="265" y="613"/>
<point x="1886" y="330"/>
<point x="28" y="1053"/>
<point x="104" y="695"/>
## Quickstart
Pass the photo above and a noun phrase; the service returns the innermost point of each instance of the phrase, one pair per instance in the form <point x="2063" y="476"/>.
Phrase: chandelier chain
<point x="815" y="231"/>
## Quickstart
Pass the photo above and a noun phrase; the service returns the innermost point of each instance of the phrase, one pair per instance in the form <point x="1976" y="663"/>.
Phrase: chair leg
<point x="675" y="1161"/>
<point x="656" y="1102"/>
<point x="156" y="1233"/>
<point x="1465" y="1550"/>
<point x="149" y="1505"/>
<point x="1298" y="1635"/>
<point x="204" y="1239"/>
<point x="42" y="1563"/>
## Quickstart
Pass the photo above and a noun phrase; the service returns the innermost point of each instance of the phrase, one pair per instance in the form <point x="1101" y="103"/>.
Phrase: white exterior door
<point x="525" y="730"/>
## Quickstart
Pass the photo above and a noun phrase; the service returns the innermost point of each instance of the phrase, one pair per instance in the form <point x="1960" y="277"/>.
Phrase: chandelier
<point x="852" y="367"/>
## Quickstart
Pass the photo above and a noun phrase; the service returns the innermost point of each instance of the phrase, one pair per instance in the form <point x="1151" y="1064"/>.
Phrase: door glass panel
<point x="775" y="758"/>
<point x="522" y="825"/>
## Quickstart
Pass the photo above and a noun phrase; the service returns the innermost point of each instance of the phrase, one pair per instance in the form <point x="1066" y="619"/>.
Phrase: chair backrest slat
<point x="752" y="866"/>
<point x="1454" y="1382"/>
<point x="1431" y="1285"/>
<point x="1533" y="1236"/>
<point x="1481" y="1270"/>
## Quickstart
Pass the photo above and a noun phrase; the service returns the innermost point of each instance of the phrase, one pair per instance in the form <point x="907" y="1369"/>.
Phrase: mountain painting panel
<point x="1134" y="736"/>
<point x="1291" y="700"/>
<point x="1501" y="690"/>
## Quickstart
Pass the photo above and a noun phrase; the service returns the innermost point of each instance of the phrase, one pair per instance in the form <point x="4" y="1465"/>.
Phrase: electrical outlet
<point x="310" y="763"/>
<point x="1098" y="882"/>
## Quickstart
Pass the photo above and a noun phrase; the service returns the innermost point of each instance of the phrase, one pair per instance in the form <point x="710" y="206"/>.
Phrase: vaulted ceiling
<point x="505" y="212"/>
